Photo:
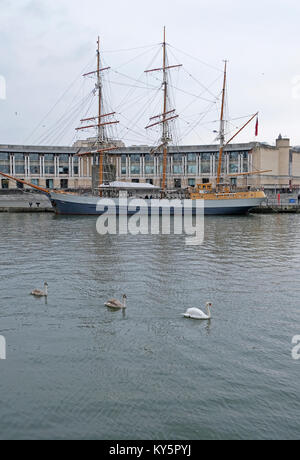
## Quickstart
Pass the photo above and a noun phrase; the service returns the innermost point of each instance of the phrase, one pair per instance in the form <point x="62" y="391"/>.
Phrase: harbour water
<point x="74" y="369"/>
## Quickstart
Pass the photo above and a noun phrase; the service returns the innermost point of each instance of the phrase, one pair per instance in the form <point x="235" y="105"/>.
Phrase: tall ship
<point x="219" y="198"/>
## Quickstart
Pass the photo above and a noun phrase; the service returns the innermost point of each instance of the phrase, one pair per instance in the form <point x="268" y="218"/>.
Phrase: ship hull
<point x="66" y="204"/>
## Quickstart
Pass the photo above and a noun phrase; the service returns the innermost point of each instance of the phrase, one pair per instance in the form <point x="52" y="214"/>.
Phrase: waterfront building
<point x="282" y="159"/>
<point x="62" y="169"/>
<point x="50" y="167"/>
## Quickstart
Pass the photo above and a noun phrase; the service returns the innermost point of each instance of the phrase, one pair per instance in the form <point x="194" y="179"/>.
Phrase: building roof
<point x="138" y="149"/>
<point x="131" y="150"/>
<point x="37" y="149"/>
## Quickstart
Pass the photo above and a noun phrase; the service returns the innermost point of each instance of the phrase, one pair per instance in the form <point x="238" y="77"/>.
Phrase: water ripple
<point x="77" y="370"/>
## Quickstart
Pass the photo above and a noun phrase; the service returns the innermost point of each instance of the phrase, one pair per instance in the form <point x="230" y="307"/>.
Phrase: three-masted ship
<point x="220" y="198"/>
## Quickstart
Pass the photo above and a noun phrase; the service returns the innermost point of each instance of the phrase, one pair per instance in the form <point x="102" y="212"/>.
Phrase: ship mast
<point x="99" y="87"/>
<point x="165" y="117"/>
<point x="100" y="126"/>
<point x="165" y="137"/>
<point x="222" y="130"/>
<point x="222" y="127"/>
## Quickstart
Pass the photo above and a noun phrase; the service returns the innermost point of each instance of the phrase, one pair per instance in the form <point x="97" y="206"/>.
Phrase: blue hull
<point x="69" y="208"/>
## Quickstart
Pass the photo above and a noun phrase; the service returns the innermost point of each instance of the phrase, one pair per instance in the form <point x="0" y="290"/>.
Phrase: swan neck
<point x="208" y="310"/>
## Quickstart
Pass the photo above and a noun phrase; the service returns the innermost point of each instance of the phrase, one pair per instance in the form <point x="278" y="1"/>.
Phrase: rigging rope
<point x="57" y="102"/>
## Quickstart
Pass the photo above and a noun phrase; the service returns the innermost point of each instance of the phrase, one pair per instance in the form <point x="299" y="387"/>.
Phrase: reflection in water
<point x="117" y="311"/>
<point x="77" y="369"/>
<point x="208" y="326"/>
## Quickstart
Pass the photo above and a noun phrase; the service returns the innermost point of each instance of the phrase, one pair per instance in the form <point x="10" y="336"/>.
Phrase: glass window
<point x="49" y="163"/>
<point x="234" y="156"/>
<point x="19" y="156"/>
<point x="135" y="164"/>
<point x="49" y="169"/>
<point x="177" y="169"/>
<point x="64" y="183"/>
<point x="35" y="181"/>
<point x="233" y="168"/>
<point x="149" y="169"/>
<point x="34" y="161"/>
<point x="5" y="168"/>
<point x="19" y="163"/>
<point x="192" y="163"/>
<point x="64" y="158"/>
<point x="123" y="165"/>
<point x="192" y="182"/>
<point x="177" y="183"/>
<point x="135" y="169"/>
<point x="4" y="163"/>
<point x="205" y="163"/>
<point x="245" y="162"/>
<point x="49" y="157"/>
<point x="233" y="162"/>
<point x="191" y="157"/>
<point x="177" y="163"/>
<point x="135" y="158"/>
<point x="5" y="183"/>
<point x="63" y="170"/>
<point x="34" y="157"/>
<point x="192" y="169"/>
<point x="177" y="157"/>
<point x="149" y="164"/>
<point x="34" y="169"/>
<point x="20" y="169"/>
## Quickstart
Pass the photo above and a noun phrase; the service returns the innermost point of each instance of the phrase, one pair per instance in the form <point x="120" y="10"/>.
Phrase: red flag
<point x="256" y="127"/>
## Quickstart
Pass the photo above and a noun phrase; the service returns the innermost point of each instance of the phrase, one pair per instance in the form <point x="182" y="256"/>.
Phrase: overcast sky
<point x="45" y="44"/>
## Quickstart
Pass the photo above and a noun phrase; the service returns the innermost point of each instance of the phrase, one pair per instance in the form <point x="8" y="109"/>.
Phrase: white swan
<point x="196" y="313"/>
<point x="39" y="292"/>
<point x="113" y="303"/>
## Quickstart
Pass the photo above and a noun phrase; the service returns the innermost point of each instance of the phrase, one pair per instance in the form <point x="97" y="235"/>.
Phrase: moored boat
<point x="219" y="204"/>
<point x="220" y="198"/>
